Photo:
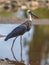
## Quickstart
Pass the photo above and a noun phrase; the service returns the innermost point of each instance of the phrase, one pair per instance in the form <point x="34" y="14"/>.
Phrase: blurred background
<point x="36" y="42"/>
<point x="37" y="6"/>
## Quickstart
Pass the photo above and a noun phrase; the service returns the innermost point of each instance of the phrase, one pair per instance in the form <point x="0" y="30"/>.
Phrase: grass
<point x="6" y="14"/>
<point x="42" y="12"/>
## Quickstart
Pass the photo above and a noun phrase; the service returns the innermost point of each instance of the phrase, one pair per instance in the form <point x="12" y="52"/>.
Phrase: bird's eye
<point x="29" y="11"/>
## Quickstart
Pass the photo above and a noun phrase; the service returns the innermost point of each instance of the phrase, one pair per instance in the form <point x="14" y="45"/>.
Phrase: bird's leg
<point x="21" y="46"/>
<point x="12" y="49"/>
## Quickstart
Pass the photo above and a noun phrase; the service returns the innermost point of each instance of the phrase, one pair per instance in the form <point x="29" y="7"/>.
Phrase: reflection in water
<point x="39" y="46"/>
<point x="5" y="47"/>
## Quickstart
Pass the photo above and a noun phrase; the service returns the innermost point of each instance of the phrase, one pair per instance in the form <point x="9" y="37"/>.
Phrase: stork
<point x="20" y="30"/>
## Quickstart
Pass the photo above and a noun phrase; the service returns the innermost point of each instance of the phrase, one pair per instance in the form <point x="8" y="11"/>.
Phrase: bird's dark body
<point x="20" y="30"/>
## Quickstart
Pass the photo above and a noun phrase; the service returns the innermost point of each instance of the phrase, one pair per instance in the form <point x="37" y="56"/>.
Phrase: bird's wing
<point x="20" y="30"/>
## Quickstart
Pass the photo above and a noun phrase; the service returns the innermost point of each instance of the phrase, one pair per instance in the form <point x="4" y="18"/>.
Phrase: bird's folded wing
<point x="20" y="30"/>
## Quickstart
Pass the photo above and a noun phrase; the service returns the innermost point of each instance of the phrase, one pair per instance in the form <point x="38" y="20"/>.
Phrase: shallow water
<point x="5" y="46"/>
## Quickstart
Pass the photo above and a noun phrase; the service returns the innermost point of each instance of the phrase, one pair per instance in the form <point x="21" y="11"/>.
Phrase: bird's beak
<point x="34" y="15"/>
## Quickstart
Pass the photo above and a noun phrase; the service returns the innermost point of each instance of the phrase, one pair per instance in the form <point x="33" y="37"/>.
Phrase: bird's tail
<point x="8" y="37"/>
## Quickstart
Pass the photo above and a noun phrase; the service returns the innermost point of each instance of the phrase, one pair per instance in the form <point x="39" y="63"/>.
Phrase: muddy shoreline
<point x="7" y="61"/>
<point x="8" y="20"/>
<point x="14" y="20"/>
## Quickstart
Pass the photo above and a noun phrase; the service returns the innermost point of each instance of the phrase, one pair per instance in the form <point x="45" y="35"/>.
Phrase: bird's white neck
<point x="29" y="17"/>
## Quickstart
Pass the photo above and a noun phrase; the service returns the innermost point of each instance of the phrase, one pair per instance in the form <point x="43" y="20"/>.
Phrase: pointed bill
<point x="34" y="15"/>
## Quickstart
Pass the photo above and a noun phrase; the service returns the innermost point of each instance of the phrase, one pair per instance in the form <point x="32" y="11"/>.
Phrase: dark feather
<point x="20" y="30"/>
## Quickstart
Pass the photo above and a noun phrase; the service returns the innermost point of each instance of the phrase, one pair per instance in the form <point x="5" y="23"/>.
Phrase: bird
<point x="24" y="27"/>
<point x="21" y="29"/>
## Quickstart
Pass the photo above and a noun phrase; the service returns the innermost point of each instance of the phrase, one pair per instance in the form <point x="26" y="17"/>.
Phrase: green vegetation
<point x="42" y="12"/>
<point x="5" y="13"/>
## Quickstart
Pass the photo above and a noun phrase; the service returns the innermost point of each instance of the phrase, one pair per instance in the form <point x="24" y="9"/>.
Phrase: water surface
<point x="5" y="46"/>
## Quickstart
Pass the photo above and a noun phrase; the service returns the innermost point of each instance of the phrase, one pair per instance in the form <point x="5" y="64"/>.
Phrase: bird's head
<point x="29" y="14"/>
